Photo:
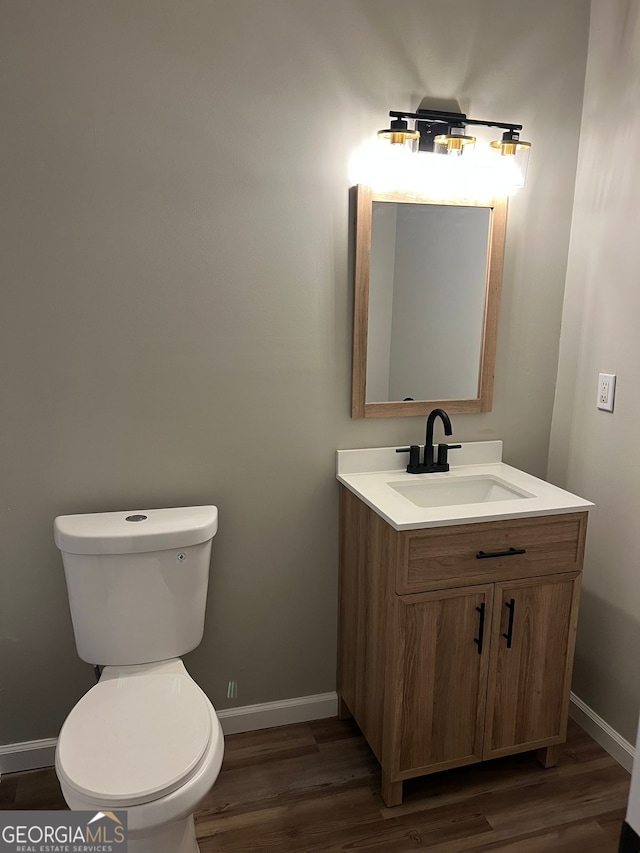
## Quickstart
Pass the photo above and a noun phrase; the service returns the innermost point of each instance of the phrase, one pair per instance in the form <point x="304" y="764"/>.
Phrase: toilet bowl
<point x="146" y="738"/>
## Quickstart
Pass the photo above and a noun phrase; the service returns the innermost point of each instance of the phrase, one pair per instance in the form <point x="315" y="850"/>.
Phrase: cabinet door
<point x="532" y="643"/>
<point x="440" y="679"/>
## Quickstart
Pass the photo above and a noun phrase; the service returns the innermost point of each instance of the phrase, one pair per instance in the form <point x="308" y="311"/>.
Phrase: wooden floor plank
<point x="557" y="801"/>
<point x="611" y="822"/>
<point x="354" y="803"/>
<point x="315" y="788"/>
<point x="8" y="789"/>
<point x="583" y="837"/>
<point x="341" y="830"/>
<point x="251" y="748"/>
<point x="335" y="764"/>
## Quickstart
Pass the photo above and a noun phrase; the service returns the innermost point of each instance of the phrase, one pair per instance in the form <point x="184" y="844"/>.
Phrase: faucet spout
<point x="428" y="443"/>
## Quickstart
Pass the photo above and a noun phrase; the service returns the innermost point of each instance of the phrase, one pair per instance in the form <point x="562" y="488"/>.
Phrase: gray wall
<point x="176" y="292"/>
<point x="594" y="453"/>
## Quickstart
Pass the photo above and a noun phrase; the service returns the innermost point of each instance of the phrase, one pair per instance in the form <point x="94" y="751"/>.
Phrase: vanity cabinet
<point x="456" y="643"/>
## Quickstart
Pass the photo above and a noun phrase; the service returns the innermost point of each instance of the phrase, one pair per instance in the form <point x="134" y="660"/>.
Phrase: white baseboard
<point x="41" y="753"/>
<point x="602" y="733"/>
<point x="32" y="754"/>
<point x="271" y="714"/>
<point x="28" y="755"/>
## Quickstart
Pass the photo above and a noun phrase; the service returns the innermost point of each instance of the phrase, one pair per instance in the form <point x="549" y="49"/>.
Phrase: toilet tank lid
<point x="135" y="531"/>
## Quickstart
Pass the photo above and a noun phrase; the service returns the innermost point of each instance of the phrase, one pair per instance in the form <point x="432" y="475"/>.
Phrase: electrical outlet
<point x="606" y="391"/>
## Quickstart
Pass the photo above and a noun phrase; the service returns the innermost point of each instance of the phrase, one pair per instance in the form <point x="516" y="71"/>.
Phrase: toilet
<point x="145" y="738"/>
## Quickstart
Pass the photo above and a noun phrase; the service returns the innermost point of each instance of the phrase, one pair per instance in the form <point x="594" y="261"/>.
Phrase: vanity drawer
<point x="445" y="557"/>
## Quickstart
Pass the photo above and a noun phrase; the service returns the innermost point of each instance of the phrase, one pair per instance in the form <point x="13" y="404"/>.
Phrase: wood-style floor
<point x="315" y="787"/>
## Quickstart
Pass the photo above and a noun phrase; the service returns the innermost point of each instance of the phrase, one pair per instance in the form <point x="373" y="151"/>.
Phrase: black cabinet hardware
<point x="479" y="639"/>
<point x="486" y="555"/>
<point x="511" y="607"/>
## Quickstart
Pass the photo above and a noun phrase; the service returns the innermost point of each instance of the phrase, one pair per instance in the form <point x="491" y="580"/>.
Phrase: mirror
<point x="427" y="291"/>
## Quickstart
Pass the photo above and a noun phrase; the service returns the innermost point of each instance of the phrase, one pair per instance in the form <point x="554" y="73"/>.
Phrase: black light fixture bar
<point x="451" y="118"/>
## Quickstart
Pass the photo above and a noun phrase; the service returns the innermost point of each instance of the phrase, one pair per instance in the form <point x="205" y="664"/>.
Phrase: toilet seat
<point x="136" y="739"/>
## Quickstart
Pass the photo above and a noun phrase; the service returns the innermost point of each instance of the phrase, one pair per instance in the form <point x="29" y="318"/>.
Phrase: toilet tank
<point x="137" y="581"/>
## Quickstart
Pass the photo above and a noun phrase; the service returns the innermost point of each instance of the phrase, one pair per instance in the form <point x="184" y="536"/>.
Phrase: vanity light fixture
<point x="446" y="133"/>
<point x="512" y="146"/>
<point x="399" y="134"/>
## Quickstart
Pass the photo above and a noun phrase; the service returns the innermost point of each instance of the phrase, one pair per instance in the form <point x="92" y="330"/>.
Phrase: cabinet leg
<point x="391" y="791"/>
<point x="549" y="755"/>
<point x="343" y="712"/>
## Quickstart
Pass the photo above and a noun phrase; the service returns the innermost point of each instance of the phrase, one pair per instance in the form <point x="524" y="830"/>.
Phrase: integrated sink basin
<point x="462" y="490"/>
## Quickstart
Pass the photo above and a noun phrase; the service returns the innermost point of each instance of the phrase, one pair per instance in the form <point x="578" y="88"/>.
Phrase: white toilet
<point x="145" y="738"/>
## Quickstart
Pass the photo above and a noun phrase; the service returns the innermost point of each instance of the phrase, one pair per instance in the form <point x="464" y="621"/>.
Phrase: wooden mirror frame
<point x="365" y="197"/>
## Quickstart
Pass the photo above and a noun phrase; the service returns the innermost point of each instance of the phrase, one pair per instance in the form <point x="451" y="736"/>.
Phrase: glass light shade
<point x="478" y="176"/>
<point x="453" y="144"/>
<point x="409" y="139"/>
<point x="517" y="150"/>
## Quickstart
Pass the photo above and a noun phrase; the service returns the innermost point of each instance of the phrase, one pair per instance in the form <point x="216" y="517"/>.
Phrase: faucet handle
<point x="443" y="450"/>
<point x="414" y="458"/>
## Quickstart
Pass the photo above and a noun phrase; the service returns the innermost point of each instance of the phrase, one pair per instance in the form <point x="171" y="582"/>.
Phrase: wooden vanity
<point x="456" y="642"/>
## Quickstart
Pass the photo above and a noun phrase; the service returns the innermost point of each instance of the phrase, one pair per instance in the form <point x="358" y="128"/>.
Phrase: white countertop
<point x="369" y="473"/>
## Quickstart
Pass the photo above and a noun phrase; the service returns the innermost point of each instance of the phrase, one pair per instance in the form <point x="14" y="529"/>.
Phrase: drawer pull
<point x="479" y="639"/>
<point x="485" y="555"/>
<point x="511" y="607"/>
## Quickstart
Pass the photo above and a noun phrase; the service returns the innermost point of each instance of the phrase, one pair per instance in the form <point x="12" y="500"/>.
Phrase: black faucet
<point x="428" y="466"/>
<point x="428" y="463"/>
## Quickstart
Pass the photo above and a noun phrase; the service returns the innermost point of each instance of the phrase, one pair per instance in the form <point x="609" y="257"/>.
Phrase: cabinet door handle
<point x="480" y="638"/>
<point x="486" y="555"/>
<point x="511" y="607"/>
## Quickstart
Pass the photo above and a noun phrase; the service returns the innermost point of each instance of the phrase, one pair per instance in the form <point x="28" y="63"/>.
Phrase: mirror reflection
<point x="426" y="301"/>
<point x="428" y="274"/>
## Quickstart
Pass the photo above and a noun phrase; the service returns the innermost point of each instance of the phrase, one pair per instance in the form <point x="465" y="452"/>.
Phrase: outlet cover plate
<point x="606" y="391"/>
